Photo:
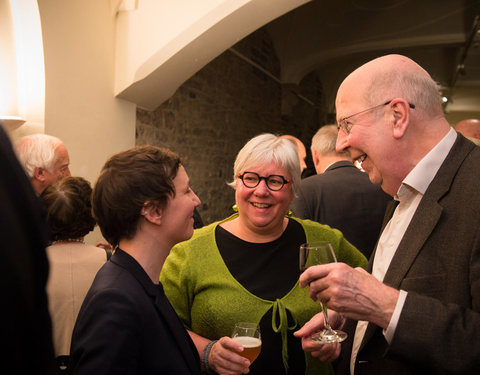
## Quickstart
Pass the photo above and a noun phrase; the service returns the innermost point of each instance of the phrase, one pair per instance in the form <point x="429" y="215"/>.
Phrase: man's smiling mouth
<point x="362" y="158"/>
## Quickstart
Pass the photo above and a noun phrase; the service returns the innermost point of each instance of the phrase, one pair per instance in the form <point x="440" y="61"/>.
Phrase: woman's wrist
<point x="205" y="355"/>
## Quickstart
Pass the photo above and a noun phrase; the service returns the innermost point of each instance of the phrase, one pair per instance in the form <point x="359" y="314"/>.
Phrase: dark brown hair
<point x="68" y="208"/>
<point x="129" y="180"/>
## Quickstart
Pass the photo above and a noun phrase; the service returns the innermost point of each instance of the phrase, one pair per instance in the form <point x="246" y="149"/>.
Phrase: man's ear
<point x="401" y="117"/>
<point x="315" y="157"/>
<point x="39" y="174"/>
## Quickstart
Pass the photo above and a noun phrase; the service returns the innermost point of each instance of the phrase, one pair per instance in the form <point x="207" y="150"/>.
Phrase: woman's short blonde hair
<point x="264" y="149"/>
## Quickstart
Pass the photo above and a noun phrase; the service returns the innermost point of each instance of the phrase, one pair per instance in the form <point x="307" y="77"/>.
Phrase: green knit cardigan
<point x="209" y="300"/>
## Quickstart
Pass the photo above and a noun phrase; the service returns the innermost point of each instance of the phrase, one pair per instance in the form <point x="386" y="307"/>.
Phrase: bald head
<point x="393" y="76"/>
<point x="301" y="150"/>
<point x="389" y="106"/>
<point x="469" y="128"/>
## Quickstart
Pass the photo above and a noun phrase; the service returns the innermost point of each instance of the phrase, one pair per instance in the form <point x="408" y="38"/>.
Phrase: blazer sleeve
<point x="106" y="335"/>
<point x="443" y="336"/>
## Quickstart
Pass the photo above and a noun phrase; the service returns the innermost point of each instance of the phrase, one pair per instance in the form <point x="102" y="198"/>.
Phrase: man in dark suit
<point x="418" y="311"/>
<point x="340" y="195"/>
<point x="27" y="346"/>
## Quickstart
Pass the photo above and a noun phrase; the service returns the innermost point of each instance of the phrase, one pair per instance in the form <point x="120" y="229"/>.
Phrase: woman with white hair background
<point x="245" y="268"/>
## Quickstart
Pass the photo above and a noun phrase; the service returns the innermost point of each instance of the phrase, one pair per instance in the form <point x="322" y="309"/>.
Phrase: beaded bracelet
<point x="206" y="354"/>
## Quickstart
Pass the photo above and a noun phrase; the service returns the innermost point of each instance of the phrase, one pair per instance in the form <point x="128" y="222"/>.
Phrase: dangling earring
<point x="289" y="213"/>
<point x="235" y="207"/>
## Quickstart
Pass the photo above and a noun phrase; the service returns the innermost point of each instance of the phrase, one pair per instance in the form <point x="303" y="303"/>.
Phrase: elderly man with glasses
<point x="418" y="310"/>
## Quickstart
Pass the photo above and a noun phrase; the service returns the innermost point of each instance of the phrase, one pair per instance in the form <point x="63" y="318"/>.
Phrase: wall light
<point x="22" y="73"/>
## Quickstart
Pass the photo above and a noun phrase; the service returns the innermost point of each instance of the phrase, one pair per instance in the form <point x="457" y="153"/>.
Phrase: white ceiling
<point x="332" y="38"/>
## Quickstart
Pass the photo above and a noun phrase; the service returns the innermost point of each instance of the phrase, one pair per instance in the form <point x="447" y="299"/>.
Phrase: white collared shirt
<point x="409" y="195"/>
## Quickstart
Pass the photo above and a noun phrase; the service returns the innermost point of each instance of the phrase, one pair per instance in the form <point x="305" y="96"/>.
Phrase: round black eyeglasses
<point x="274" y="182"/>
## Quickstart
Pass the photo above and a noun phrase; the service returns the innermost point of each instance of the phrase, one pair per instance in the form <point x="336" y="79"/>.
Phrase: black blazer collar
<point x="340" y="164"/>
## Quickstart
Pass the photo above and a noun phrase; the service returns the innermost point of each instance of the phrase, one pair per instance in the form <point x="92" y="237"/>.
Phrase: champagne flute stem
<point x="325" y="317"/>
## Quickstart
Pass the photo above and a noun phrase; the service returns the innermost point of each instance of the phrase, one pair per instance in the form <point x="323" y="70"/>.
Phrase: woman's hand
<point x="224" y="360"/>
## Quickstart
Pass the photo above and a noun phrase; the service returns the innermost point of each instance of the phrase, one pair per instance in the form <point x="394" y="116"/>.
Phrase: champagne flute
<point x="248" y="335"/>
<point x="321" y="252"/>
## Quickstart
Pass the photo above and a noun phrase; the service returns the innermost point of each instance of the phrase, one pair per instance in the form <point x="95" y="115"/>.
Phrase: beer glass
<point x="248" y="335"/>
<point x="321" y="252"/>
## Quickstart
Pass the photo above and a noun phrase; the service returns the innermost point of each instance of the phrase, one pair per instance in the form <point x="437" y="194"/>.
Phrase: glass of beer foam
<point x="248" y="335"/>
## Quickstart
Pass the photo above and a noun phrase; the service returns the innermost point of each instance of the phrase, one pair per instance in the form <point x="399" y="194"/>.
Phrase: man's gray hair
<point x="325" y="140"/>
<point x="37" y="151"/>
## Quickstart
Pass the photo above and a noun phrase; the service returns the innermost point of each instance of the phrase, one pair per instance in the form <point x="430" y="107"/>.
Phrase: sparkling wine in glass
<point x="311" y="254"/>
<point x="248" y="335"/>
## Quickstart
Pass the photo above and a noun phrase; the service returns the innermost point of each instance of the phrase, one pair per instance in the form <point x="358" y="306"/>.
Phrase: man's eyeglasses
<point x="274" y="182"/>
<point x="346" y="125"/>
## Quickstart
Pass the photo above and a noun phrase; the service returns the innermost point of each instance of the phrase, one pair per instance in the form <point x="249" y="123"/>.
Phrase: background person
<point x="143" y="204"/>
<point x="340" y="195"/>
<point x="246" y="268"/>
<point x="73" y="264"/>
<point x="469" y="128"/>
<point x="301" y="150"/>
<point x="44" y="158"/>
<point x="419" y="310"/>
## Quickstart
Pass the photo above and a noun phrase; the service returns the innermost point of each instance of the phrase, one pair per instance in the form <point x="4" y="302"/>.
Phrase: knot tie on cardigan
<point x="279" y="314"/>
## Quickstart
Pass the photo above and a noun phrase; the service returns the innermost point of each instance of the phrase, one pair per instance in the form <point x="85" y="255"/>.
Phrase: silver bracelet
<point x="206" y="354"/>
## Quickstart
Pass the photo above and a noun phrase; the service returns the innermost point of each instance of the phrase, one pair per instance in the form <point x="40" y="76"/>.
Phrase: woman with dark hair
<point x="73" y="264"/>
<point x="144" y="205"/>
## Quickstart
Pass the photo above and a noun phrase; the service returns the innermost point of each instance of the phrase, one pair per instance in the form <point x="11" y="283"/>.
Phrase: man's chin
<point x="374" y="178"/>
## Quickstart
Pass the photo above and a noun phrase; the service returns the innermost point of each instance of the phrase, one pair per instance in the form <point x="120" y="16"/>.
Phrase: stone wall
<point x="215" y="112"/>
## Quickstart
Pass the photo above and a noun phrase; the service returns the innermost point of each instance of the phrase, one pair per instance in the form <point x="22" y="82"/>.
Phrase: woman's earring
<point x="235" y="207"/>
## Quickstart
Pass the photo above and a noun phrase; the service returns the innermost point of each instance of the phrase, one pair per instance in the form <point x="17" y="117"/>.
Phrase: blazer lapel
<point x="423" y="222"/>
<point x="187" y="348"/>
<point x="427" y="215"/>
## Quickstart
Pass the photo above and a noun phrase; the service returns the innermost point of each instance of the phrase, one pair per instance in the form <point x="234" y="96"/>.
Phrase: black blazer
<point x="127" y="326"/>
<point x="438" y="263"/>
<point x="27" y="346"/>
<point x="344" y="198"/>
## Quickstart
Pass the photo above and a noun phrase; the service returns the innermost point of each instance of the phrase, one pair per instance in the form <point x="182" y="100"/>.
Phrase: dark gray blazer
<point x="438" y="263"/>
<point x="344" y="198"/>
<point x="127" y="326"/>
